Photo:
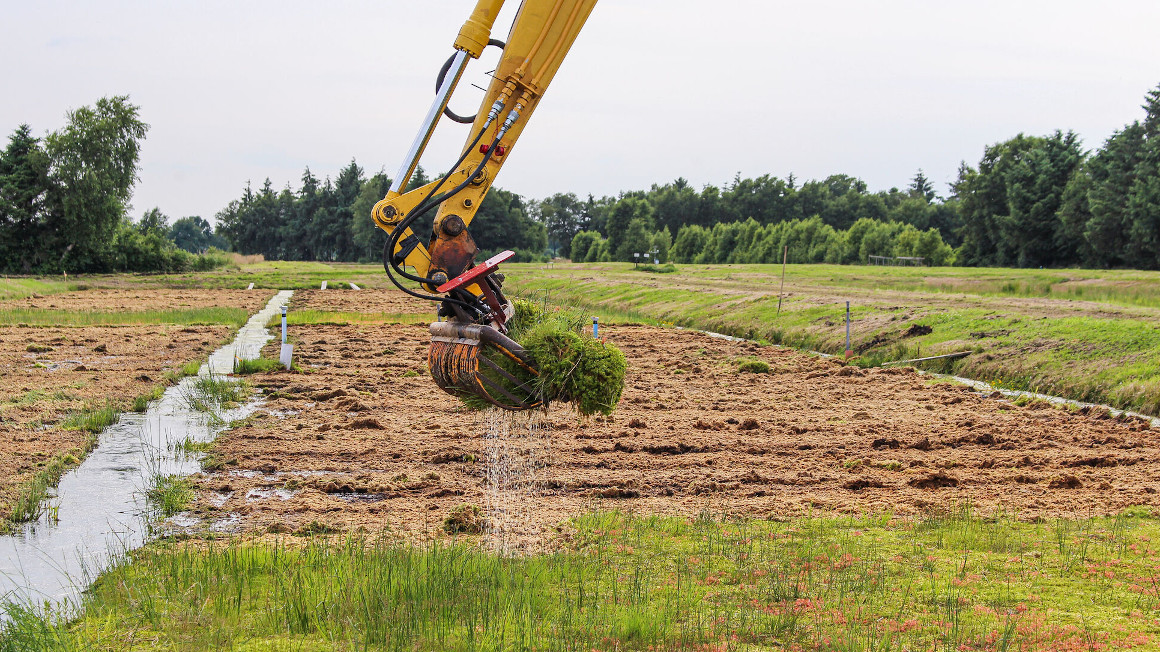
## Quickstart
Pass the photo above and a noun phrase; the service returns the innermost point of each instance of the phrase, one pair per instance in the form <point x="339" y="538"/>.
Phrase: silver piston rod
<point x="458" y="65"/>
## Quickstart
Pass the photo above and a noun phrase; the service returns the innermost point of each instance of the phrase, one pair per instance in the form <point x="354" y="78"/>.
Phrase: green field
<point x="1090" y="335"/>
<point x="950" y="579"/>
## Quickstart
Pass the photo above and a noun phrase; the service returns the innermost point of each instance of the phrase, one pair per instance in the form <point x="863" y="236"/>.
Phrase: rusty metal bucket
<point x="476" y="360"/>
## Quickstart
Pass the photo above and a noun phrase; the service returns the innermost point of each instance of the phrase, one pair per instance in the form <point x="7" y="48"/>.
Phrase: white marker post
<point x="848" y="351"/>
<point x="323" y="285"/>
<point x="286" y="355"/>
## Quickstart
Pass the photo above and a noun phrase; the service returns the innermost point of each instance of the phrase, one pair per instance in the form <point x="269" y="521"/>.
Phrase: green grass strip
<point x="956" y="581"/>
<point x="329" y="318"/>
<point x="255" y="366"/>
<point x="197" y="316"/>
<point x="19" y="288"/>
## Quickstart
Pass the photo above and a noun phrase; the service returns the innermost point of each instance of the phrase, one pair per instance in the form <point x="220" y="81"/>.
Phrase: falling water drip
<point x="518" y="452"/>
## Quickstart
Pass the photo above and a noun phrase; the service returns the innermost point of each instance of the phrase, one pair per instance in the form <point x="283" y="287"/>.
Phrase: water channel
<point x="99" y="510"/>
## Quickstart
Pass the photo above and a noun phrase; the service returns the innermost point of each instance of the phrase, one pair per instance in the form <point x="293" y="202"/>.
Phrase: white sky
<point x="652" y="90"/>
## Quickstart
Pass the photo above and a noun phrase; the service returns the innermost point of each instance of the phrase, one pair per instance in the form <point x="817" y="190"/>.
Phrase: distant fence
<point x="916" y="261"/>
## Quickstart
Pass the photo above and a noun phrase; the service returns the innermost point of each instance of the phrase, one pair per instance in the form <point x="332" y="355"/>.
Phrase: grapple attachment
<point x="476" y="360"/>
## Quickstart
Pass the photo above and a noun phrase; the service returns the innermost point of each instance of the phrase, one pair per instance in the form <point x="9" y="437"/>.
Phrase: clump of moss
<point x="753" y="366"/>
<point x="582" y="370"/>
<point x="574" y="367"/>
<point x="465" y="519"/>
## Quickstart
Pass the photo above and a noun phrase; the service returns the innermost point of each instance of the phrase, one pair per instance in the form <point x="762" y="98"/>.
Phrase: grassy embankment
<point x="631" y="583"/>
<point x="27" y="501"/>
<point x="1086" y="335"/>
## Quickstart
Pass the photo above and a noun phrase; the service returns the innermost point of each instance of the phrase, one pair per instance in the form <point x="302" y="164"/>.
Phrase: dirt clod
<point x="934" y="481"/>
<point x="366" y="423"/>
<point x="918" y="329"/>
<point x="1065" y="482"/>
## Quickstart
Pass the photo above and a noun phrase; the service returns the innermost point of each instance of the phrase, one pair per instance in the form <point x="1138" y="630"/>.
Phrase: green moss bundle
<point x="574" y="367"/>
<point x="581" y="370"/>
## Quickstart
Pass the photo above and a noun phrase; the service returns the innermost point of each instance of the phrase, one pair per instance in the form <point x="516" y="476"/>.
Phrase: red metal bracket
<point x="470" y="275"/>
<point x="478" y="272"/>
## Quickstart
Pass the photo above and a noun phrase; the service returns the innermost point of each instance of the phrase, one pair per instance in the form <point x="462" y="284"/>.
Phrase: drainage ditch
<point x="99" y="509"/>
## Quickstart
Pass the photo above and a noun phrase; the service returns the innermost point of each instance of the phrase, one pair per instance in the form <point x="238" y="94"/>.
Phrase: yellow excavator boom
<point x="442" y="265"/>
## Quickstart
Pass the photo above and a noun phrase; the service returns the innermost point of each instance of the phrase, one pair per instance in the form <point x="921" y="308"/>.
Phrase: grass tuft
<point x="464" y="519"/>
<point x="573" y="366"/>
<point x="141" y="403"/>
<point x="169" y="494"/>
<point x="92" y="420"/>
<point x="256" y="365"/>
<point x="212" y="394"/>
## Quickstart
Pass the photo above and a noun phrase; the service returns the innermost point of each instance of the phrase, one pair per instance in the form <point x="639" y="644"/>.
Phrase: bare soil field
<point x="47" y="373"/>
<point x="389" y="301"/>
<point x="142" y="299"/>
<point x="365" y="440"/>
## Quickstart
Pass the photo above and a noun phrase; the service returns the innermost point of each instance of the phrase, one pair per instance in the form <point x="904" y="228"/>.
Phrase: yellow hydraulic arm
<point x="470" y="354"/>
<point x="539" y="39"/>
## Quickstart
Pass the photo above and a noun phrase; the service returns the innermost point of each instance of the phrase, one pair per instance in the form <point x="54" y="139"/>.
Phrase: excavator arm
<point x="440" y="264"/>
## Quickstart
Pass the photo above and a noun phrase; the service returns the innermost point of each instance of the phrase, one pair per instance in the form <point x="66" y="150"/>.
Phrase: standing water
<point x="99" y="510"/>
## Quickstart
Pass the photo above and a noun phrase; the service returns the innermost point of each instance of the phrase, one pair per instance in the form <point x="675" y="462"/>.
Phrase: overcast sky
<point x="653" y="90"/>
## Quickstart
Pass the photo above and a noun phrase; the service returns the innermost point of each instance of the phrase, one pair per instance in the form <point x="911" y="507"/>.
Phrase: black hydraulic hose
<point x="427" y="203"/>
<point x="428" y="297"/>
<point x="426" y="206"/>
<point x="423" y="206"/>
<point x="443" y="74"/>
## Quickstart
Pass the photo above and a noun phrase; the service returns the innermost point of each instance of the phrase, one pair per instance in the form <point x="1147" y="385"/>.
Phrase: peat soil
<point x="391" y="302"/>
<point x="50" y="372"/>
<point x="364" y="440"/>
<point x="141" y="299"/>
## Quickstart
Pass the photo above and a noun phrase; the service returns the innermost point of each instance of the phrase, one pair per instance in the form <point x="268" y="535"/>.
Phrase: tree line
<point x="1030" y="201"/>
<point x="330" y="220"/>
<point x="64" y="199"/>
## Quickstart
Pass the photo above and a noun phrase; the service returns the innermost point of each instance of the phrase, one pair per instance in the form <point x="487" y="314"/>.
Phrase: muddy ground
<point x="138" y="299"/>
<point x="364" y="440"/>
<point x="47" y="373"/>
